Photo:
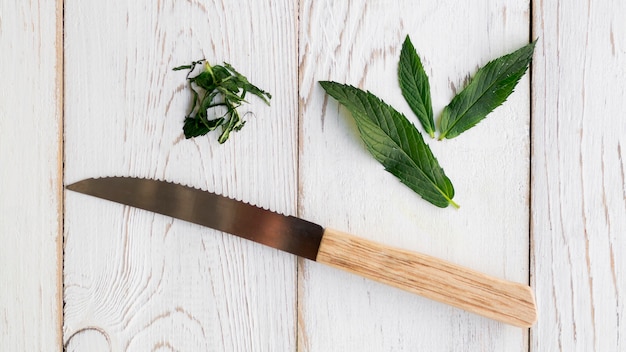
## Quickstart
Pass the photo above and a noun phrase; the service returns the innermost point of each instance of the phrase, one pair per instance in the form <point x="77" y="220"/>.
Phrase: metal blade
<point x="286" y="233"/>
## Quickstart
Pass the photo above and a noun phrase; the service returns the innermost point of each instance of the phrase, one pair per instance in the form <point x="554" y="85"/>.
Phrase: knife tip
<point x="77" y="186"/>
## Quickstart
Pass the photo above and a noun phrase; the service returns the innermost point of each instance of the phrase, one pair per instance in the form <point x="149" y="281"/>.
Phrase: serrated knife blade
<point x="509" y="302"/>
<point x="287" y="233"/>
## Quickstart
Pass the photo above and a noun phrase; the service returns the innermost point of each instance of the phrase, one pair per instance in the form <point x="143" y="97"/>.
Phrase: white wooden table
<point x="87" y="90"/>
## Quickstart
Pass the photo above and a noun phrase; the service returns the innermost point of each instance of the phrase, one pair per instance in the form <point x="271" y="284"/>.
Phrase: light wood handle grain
<point x="505" y="301"/>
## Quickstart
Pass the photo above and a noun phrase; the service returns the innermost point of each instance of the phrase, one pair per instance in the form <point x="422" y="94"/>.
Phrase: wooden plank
<point x="30" y="175"/>
<point x="343" y="187"/>
<point x="579" y="188"/>
<point x="138" y="281"/>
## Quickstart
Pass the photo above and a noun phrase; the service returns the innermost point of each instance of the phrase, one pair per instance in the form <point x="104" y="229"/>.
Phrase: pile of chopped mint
<point x="217" y="86"/>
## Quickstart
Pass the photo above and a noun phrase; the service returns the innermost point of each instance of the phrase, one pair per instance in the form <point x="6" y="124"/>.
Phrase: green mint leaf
<point x="220" y="72"/>
<point x="490" y="87"/>
<point x="247" y="86"/>
<point x="195" y="127"/>
<point x="183" y="67"/>
<point x="395" y="143"/>
<point x="204" y="80"/>
<point x="234" y="124"/>
<point x="415" y="87"/>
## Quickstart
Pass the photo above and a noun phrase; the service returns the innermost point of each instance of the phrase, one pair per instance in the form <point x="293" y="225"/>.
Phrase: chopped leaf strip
<point x="415" y="87"/>
<point x="221" y="81"/>
<point x="395" y="143"/>
<point x="490" y="87"/>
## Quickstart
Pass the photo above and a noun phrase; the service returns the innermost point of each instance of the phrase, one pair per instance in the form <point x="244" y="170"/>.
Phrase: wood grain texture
<point x="509" y="302"/>
<point x="578" y="168"/>
<point x="342" y="186"/>
<point x="30" y="176"/>
<point x="136" y="281"/>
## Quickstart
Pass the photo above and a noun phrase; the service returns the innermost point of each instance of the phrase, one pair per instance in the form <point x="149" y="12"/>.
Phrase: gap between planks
<point x="60" y="109"/>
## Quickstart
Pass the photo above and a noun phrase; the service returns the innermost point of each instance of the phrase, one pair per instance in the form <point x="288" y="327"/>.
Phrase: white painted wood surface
<point x="579" y="188"/>
<point x="136" y="281"/>
<point x="31" y="97"/>
<point x="342" y="186"/>
<point x="148" y="282"/>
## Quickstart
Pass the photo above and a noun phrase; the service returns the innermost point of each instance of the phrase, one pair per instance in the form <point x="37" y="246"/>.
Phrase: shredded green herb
<point x="217" y="86"/>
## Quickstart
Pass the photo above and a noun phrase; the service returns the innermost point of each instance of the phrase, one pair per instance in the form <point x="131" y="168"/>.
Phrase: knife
<point x="505" y="301"/>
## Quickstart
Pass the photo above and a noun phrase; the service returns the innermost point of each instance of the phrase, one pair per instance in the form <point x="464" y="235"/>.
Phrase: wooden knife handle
<point x="505" y="301"/>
